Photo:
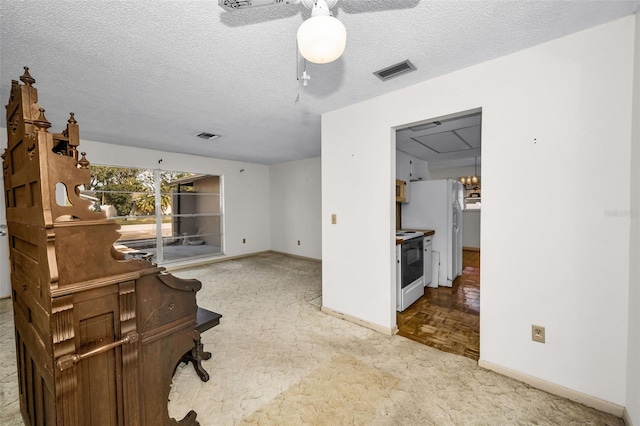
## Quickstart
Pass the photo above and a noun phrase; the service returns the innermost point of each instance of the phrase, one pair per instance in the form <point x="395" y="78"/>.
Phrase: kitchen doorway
<point x="447" y="316"/>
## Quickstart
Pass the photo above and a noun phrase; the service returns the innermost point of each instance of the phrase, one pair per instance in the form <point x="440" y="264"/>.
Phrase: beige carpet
<point x="278" y="360"/>
<point x="343" y="391"/>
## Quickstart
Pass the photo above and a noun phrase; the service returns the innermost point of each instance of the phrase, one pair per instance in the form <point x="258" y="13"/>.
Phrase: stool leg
<point x="196" y="360"/>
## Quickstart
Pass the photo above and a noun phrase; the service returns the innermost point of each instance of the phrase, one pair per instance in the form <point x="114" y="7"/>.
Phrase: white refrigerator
<point x="437" y="205"/>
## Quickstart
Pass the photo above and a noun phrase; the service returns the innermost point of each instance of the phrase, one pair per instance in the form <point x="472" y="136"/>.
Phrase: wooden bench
<point x="205" y="320"/>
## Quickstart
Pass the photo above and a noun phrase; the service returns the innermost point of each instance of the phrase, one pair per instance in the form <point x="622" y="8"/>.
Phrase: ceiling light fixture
<point x="471" y="180"/>
<point x="321" y="38"/>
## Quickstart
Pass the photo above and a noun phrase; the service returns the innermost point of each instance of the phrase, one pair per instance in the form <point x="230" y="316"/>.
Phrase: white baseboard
<point x="222" y="258"/>
<point x="589" y="401"/>
<point x="170" y="267"/>
<point x="626" y="418"/>
<point x="361" y="322"/>
<point x="313" y="259"/>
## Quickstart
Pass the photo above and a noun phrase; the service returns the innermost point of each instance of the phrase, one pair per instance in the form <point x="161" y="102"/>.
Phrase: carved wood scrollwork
<point x="63" y="329"/>
<point x="31" y="151"/>
<point x="13" y="122"/>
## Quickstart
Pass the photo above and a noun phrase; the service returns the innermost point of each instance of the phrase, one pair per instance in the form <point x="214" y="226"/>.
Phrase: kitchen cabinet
<point x="472" y="198"/>
<point x="401" y="191"/>
<point x="403" y="171"/>
<point x="403" y="166"/>
<point x="419" y="170"/>
<point x="472" y="203"/>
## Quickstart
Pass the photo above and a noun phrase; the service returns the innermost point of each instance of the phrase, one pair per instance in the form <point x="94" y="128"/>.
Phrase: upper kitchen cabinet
<point x="403" y="171"/>
<point x="401" y="191"/>
<point x="419" y="169"/>
<point x="403" y="166"/>
<point x="410" y="168"/>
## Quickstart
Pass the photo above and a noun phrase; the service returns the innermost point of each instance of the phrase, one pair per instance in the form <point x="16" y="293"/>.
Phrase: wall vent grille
<point x="395" y="70"/>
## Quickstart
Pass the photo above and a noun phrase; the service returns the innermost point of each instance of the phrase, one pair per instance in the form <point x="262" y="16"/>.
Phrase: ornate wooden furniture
<point x="97" y="336"/>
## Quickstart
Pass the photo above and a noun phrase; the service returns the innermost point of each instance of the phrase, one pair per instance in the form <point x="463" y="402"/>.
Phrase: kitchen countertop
<point x="426" y="232"/>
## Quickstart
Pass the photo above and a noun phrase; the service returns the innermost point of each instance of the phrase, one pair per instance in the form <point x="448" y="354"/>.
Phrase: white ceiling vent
<point x="207" y="135"/>
<point x="395" y="70"/>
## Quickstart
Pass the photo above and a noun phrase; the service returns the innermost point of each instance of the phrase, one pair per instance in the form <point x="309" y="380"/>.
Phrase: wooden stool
<point x="204" y="321"/>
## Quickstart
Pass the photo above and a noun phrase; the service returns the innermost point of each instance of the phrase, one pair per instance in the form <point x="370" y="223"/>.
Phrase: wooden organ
<point x="98" y="337"/>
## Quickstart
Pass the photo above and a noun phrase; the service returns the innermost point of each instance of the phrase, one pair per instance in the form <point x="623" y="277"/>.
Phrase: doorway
<point x="447" y="316"/>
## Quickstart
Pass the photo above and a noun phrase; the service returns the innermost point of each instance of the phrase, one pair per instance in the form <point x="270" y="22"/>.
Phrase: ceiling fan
<point x="321" y="38"/>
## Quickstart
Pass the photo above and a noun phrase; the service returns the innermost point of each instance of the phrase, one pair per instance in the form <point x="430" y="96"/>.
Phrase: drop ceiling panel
<point x="443" y="143"/>
<point x="413" y="148"/>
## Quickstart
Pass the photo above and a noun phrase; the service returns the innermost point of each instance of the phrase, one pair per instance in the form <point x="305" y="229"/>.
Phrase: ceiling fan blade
<point x="357" y="6"/>
<point x="233" y="5"/>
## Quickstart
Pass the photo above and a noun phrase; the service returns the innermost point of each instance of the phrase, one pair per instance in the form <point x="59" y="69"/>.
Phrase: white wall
<point x="553" y="113"/>
<point x="295" y="208"/>
<point x="633" y="351"/>
<point x="471" y="228"/>
<point x="245" y="188"/>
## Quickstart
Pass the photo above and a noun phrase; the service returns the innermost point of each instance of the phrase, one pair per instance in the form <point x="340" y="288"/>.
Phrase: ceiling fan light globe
<point x="322" y="39"/>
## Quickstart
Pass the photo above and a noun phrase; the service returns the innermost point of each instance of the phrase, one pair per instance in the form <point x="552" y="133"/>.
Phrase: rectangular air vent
<point x="394" y="70"/>
<point x="207" y="135"/>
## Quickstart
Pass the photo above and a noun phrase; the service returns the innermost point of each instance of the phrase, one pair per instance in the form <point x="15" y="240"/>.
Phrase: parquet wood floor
<point x="448" y="318"/>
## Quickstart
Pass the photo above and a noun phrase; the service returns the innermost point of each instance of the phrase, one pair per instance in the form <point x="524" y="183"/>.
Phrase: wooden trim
<point x="471" y="248"/>
<point x="573" y="395"/>
<point x="167" y="329"/>
<point x="95" y="283"/>
<point x="360" y="322"/>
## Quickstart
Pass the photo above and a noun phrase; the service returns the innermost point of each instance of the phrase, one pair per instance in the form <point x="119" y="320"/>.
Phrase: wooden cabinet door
<point x="99" y="376"/>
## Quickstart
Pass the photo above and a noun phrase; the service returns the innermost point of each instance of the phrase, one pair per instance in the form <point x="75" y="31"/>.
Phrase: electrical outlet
<point x="244" y="241"/>
<point x="334" y="219"/>
<point x="537" y="333"/>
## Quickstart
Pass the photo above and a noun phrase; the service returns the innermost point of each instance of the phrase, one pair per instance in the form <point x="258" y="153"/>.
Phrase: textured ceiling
<point x="154" y="73"/>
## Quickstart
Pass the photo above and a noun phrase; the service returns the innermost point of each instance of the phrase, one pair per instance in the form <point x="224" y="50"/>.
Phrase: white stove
<point x="407" y="235"/>
<point x="409" y="269"/>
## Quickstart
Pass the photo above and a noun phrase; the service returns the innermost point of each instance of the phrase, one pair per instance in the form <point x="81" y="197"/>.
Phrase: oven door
<point x="412" y="260"/>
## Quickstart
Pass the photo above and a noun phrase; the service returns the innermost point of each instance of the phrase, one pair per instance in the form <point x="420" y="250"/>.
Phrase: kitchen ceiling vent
<point x="395" y="70"/>
<point x="207" y="135"/>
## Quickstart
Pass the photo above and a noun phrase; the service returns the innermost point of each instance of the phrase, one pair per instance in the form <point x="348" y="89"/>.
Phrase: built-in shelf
<point x="470" y="201"/>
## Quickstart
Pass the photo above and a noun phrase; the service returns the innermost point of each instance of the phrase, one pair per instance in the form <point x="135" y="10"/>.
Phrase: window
<point x="163" y="216"/>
